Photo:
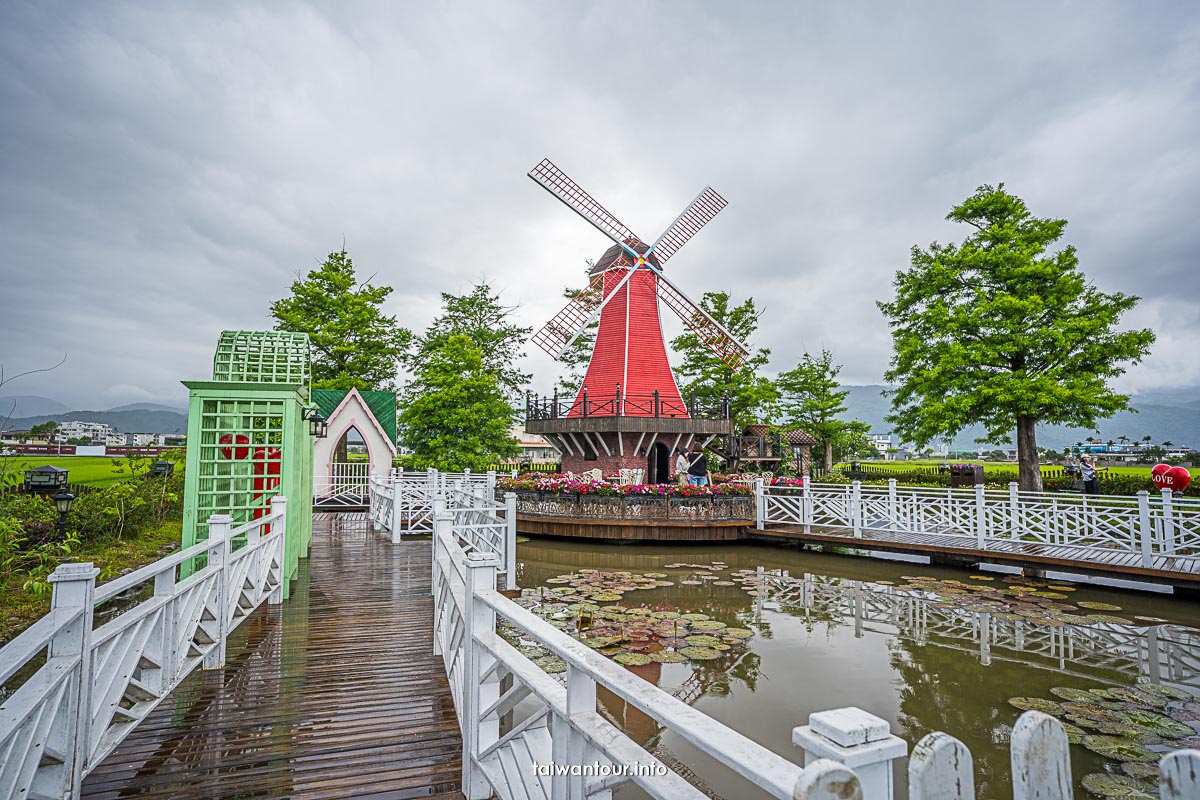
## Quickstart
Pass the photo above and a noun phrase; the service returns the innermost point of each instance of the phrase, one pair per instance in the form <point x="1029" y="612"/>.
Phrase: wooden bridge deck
<point x="1180" y="572"/>
<point x="334" y="694"/>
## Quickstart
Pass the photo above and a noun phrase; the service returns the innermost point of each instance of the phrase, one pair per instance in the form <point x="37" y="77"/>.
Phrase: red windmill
<point x="629" y="412"/>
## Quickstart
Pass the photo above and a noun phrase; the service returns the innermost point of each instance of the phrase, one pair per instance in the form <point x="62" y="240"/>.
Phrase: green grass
<point x="20" y="608"/>
<point x="87" y="470"/>
<point x="1005" y="466"/>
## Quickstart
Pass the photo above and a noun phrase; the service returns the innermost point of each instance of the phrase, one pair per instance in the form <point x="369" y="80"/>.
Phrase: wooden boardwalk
<point x="334" y="694"/>
<point x="1179" y="572"/>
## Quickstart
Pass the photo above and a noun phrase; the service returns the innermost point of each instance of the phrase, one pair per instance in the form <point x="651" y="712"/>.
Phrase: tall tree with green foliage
<point x="752" y="397"/>
<point x="1000" y="331"/>
<point x="480" y="317"/>
<point x="456" y="412"/>
<point x="355" y="345"/>
<point x="812" y="399"/>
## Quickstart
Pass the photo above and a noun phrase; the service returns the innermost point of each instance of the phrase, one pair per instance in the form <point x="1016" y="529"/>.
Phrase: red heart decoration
<point x="235" y="452"/>
<point x="1159" y="469"/>
<point x="1177" y="479"/>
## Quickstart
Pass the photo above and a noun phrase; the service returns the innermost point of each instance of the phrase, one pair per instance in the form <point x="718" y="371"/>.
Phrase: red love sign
<point x="1174" y="478"/>
<point x="235" y="452"/>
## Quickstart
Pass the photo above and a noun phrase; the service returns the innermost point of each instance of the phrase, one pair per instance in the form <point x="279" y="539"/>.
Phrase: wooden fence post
<point x="1041" y="765"/>
<point x="1145" y="528"/>
<point x="219" y="526"/>
<point x="74" y="588"/>
<point x="941" y="768"/>
<point x="857" y="740"/>
<point x="477" y="618"/>
<point x="279" y="506"/>
<point x="510" y="540"/>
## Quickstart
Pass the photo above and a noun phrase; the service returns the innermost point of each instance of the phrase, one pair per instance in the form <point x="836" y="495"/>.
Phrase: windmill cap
<point x="613" y="253"/>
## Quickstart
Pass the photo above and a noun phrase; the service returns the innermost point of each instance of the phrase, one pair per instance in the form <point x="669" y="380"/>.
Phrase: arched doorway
<point x="351" y="448"/>
<point x="658" y="464"/>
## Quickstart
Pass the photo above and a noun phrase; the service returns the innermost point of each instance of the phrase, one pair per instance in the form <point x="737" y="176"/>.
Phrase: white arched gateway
<point x="361" y="440"/>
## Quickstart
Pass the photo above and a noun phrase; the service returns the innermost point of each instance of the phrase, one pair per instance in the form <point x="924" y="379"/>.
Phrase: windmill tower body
<point x="629" y="413"/>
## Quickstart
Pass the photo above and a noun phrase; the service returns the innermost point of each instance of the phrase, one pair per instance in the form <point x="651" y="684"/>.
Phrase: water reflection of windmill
<point x="629" y="412"/>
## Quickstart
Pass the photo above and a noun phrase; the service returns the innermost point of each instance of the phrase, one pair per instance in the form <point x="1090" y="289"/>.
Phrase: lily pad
<point x="703" y="641"/>
<point x="701" y="653"/>
<point x="708" y="625"/>
<point x="1118" y="748"/>
<point x="1103" y="784"/>
<point x="606" y="597"/>
<point x="1110" y="619"/>
<point x="1136" y="695"/>
<point x="694" y="617"/>
<point x="1036" y="704"/>
<point x="738" y="633"/>
<point x="532" y="651"/>
<point x="668" y="657"/>
<point x="1169" y="692"/>
<point x="1139" y="769"/>
<point x="665" y="615"/>
<point x="551" y="665"/>
<point x="1091" y="605"/>
<point x="982" y="578"/>
<point x="691" y="583"/>
<point x="1158" y="723"/>
<point x="1074" y="695"/>
<point x="632" y="659"/>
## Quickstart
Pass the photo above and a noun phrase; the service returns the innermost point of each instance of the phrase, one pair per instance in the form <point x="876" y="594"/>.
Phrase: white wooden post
<point x="279" y="506"/>
<point x="760" y="504"/>
<point x="827" y="780"/>
<point x="980" y="518"/>
<point x="219" y="526"/>
<point x="477" y="618"/>
<point x="855" y="739"/>
<point x="510" y="540"/>
<point x="1041" y="765"/>
<point x="396" y="521"/>
<point x="892" y="505"/>
<point x="74" y="588"/>
<point x="443" y="531"/>
<point x="1180" y="774"/>
<point x="1014" y="509"/>
<point x="1145" y="528"/>
<point x="567" y="745"/>
<point x="491" y="485"/>
<point x="941" y="768"/>
<point x="1167" y="537"/>
<point x="806" y="505"/>
<point x="856" y="508"/>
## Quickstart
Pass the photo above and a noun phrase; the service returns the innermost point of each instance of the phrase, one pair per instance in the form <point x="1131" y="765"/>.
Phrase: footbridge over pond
<point x="382" y="673"/>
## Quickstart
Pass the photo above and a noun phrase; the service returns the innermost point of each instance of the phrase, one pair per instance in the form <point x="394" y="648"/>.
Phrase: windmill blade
<point x="569" y="324"/>
<point x="556" y="182"/>
<point x="698" y="214"/>
<point x="711" y="332"/>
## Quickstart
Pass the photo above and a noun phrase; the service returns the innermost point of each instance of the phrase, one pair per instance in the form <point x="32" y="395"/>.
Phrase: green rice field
<point x="87" y="470"/>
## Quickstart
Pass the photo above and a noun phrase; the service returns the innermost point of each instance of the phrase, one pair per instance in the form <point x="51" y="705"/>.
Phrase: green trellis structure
<point x="248" y="440"/>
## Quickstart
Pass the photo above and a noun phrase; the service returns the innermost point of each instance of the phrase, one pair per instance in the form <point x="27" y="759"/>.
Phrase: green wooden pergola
<point x="248" y="440"/>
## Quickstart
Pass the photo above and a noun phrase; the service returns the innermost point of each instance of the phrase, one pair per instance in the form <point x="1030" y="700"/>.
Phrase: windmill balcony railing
<point x="617" y="404"/>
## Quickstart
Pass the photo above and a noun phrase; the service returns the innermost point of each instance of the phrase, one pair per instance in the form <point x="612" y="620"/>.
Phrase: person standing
<point x="681" y="469"/>
<point x="1090" y="474"/>
<point x="698" y="467"/>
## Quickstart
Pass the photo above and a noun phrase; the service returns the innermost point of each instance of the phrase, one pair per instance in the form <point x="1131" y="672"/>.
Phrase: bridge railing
<point x="344" y="485"/>
<point x="85" y="687"/>
<point x="1147" y="526"/>
<point x="524" y="729"/>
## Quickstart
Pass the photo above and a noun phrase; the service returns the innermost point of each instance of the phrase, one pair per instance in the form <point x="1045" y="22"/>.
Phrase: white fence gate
<point x="344" y="487"/>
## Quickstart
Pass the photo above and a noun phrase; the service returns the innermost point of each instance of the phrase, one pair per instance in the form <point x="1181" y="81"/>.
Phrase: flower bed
<point x="560" y="484"/>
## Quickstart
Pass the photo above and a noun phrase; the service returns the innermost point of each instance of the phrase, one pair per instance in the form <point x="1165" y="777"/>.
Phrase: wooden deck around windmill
<point x="334" y="694"/>
<point x="1182" y="573"/>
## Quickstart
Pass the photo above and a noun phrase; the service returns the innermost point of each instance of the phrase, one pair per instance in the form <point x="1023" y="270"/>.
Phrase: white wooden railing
<point x="95" y="685"/>
<point x="403" y="504"/>
<point x="1148" y="527"/>
<point x="519" y="723"/>
<point x="345" y="485"/>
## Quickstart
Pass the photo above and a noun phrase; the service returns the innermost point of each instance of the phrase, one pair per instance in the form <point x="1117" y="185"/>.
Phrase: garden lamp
<point x="62" y="502"/>
<point x="318" y="426"/>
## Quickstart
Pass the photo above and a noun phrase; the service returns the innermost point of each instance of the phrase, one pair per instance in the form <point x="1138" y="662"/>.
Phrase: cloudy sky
<point x="166" y="169"/>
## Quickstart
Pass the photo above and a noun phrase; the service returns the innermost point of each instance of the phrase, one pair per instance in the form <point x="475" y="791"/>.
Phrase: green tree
<point x="812" y="398"/>
<point x="355" y="345"/>
<point x="480" y="317"/>
<point x="852" y="442"/>
<point x="456" y="413"/>
<point x="752" y="397"/>
<point x="1001" y="332"/>
<point x="46" y="429"/>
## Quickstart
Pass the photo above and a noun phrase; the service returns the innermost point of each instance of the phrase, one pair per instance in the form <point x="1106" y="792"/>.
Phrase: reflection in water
<point x="832" y="631"/>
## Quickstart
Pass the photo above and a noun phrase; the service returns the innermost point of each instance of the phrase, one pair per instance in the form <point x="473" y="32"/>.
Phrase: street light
<point x="62" y="501"/>
<point x="318" y="426"/>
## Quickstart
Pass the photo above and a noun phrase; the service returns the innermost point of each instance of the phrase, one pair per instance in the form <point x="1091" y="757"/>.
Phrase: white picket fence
<point x="518" y="722"/>
<point x="403" y="504"/>
<point x="1160" y="531"/>
<point x="345" y="486"/>
<point x="97" y="684"/>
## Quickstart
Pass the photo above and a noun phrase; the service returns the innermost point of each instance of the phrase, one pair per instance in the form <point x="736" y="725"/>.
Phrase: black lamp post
<point x="62" y="502"/>
<point x="318" y="426"/>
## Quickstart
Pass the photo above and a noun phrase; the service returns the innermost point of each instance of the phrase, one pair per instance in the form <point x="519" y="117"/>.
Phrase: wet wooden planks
<point x="334" y="694"/>
<point x="1184" y="572"/>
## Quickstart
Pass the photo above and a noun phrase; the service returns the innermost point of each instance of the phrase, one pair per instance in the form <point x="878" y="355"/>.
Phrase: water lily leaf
<point x="1103" y="784"/>
<point x="655" y="574"/>
<point x="1139" y="769"/>
<point x="664" y="583"/>
<point x="982" y="578"/>
<point x="665" y="615"/>
<point x="1074" y="695"/>
<point x="1036" y="704"/>
<point x="1169" y="692"/>
<point x="1110" y="619"/>
<point x="532" y="651"/>
<point x="668" y="657"/>
<point x="639" y="612"/>
<point x="694" y="617"/>
<point x="1158" y="723"/>
<point x="738" y="633"/>
<point x="1118" y="748"/>
<point x="1058" y="587"/>
<point x="606" y="597"/>
<point x="701" y="653"/>
<point x="1136" y="695"/>
<point x="1094" y="606"/>
<point x="632" y="659"/>
<point x="708" y="625"/>
<point x="551" y="665"/>
<point x="722" y="583"/>
<point x="703" y="640"/>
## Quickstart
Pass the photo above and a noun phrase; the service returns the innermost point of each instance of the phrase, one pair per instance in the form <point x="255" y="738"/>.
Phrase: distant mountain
<point x="28" y="405"/>
<point x="1176" y="421"/>
<point x="149" y="407"/>
<point x="122" y="421"/>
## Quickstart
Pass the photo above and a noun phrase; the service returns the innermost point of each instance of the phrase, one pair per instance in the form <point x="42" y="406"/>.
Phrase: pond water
<point x="942" y="652"/>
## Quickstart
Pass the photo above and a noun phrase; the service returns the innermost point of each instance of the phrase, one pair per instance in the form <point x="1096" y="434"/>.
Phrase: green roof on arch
<point x="381" y="404"/>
